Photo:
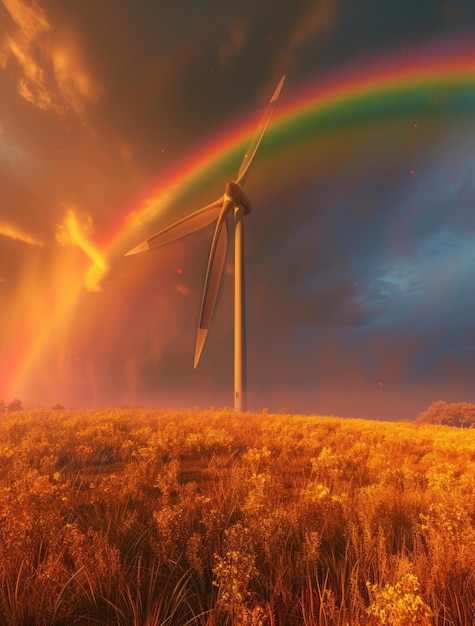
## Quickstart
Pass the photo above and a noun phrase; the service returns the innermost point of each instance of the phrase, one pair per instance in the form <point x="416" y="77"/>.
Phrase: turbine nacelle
<point x="234" y="193"/>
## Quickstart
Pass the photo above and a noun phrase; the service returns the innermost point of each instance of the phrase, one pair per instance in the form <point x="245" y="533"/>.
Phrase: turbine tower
<point x="233" y="201"/>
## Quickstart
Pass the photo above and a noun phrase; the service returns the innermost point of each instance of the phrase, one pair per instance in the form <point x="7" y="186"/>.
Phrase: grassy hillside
<point x="134" y="517"/>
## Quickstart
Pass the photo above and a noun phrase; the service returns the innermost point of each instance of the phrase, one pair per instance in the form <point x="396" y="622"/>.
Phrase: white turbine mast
<point x="233" y="201"/>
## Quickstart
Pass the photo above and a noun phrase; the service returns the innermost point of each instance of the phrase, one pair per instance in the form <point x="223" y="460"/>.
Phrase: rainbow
<point x="435" y="81"/>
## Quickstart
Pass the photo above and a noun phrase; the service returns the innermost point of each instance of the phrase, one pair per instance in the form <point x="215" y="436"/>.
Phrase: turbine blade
<point x="187" y="225"/>
<point x="257" y="138"/>
<point x="142" y="247"/>
<point x="200" y="342"/>
<point x="217" y="257"/>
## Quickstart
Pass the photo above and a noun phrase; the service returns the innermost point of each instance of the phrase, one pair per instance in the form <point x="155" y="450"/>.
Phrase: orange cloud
<point x="29" y="26"/>
<point x="319" y="18"/>
<point x="74" y="231"/>
<point x="13" y="232"/>
<point x="75" y="85"/>
<point x="52" y="76"/>
<point x="233" y="45"/>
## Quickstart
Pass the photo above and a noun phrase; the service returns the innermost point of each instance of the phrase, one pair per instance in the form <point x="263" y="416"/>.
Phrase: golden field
<point x="138" y="517"/>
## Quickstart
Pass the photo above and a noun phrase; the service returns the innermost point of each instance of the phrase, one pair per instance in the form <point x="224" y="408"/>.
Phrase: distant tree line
<point x="460" y="414"/>
<point x="13" y="405"/>
<point x="17" y="405"/>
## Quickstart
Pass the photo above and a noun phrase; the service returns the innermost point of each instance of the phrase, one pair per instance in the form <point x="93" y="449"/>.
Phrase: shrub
<point x="461" y="414"/>
<point x="15" y="405"/>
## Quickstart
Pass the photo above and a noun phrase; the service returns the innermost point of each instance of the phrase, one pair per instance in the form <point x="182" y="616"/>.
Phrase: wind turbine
<point x="235" y="201"/>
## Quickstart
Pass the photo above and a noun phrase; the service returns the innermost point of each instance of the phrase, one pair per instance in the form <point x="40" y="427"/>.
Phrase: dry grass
<point x="133" y="517"/>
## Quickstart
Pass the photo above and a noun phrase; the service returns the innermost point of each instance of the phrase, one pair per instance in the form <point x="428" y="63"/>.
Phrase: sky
<point x="117" y="118"/>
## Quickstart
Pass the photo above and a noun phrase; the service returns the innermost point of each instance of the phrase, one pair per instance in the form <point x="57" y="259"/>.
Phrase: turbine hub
<point x="233" y="190"/>
<point x="236" y="195"/>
